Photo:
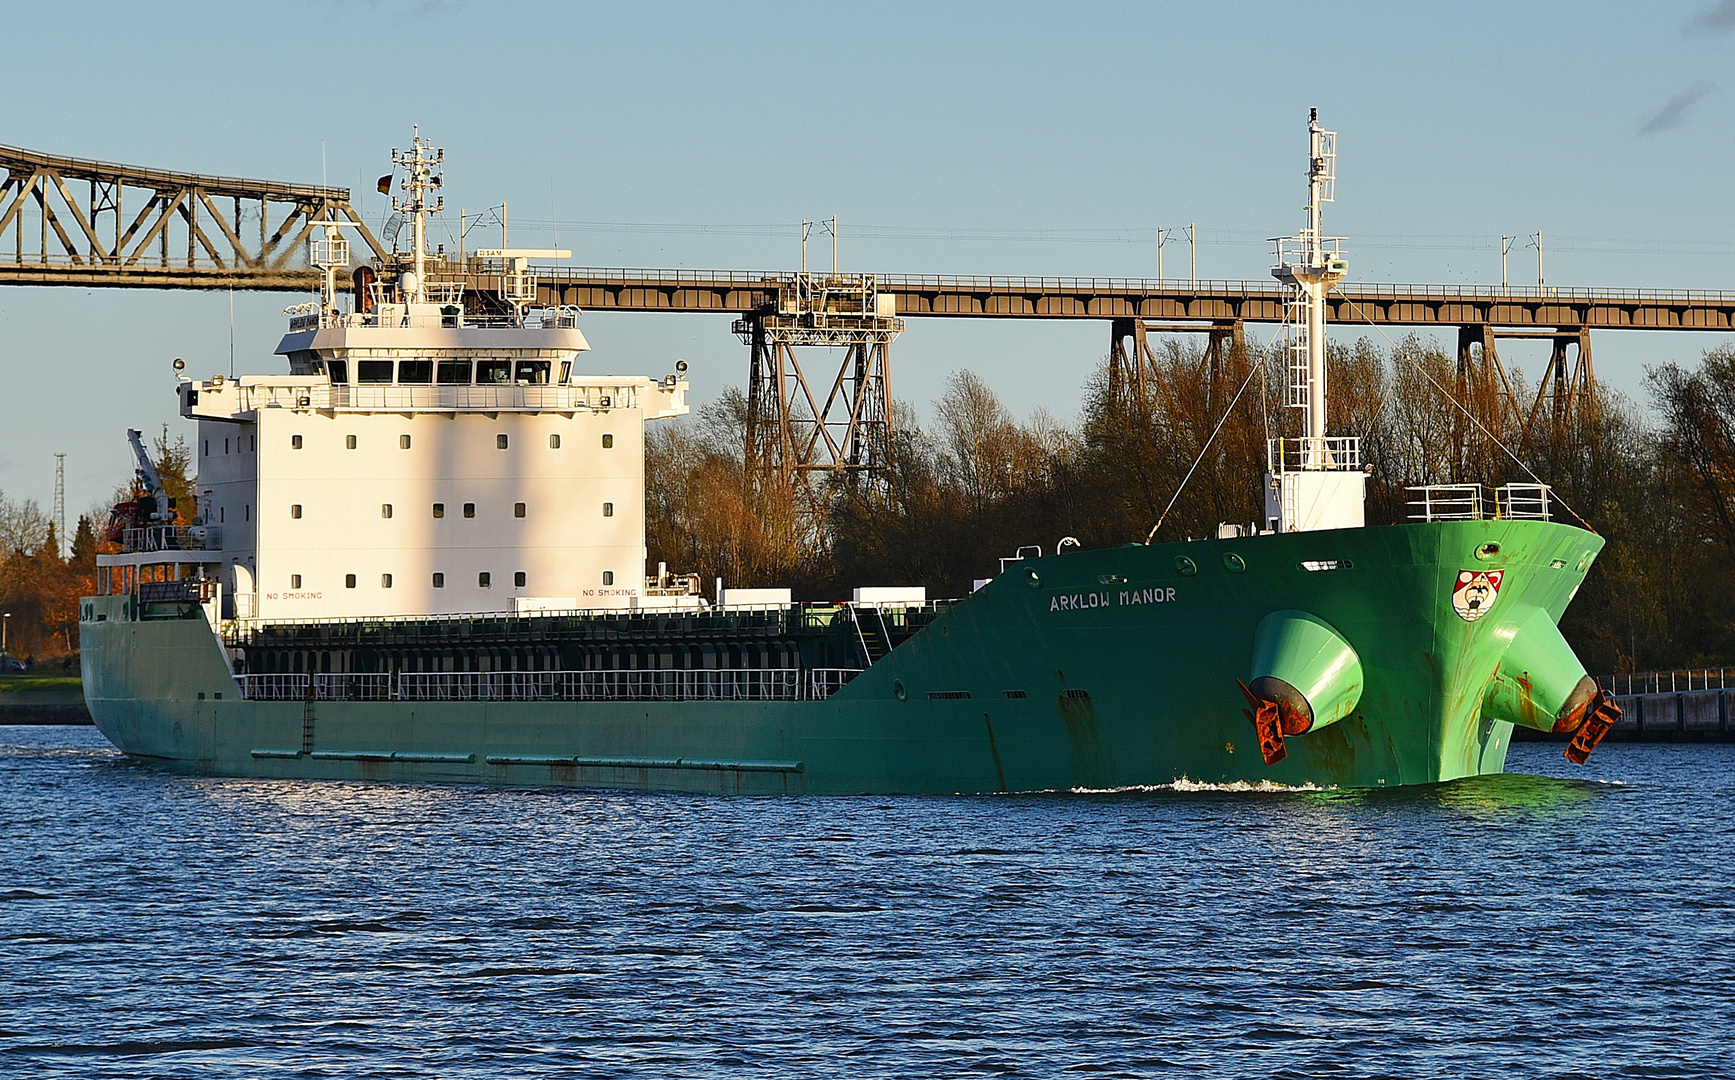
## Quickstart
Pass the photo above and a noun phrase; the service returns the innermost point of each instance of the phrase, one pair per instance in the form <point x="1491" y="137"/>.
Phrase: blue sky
<point x="943" y="134"/>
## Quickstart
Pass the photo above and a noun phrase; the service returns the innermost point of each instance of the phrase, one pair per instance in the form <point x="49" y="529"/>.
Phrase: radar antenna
<point x="423" y="167"/>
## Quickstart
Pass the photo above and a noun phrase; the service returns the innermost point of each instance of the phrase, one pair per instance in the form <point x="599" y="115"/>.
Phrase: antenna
<point x="1311" y="264"/>
<point x="60" y="505"/>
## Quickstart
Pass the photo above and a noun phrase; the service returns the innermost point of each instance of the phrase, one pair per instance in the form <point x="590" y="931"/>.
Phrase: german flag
<point x="385" y="184"/>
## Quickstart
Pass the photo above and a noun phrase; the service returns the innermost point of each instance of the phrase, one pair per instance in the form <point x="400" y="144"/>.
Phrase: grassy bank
<point x="39" y="683"/>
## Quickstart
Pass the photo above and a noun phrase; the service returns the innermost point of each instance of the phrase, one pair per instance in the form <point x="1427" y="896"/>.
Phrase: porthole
<point x="1233" y="562"/>
<point x="1185" y="567"/>
<point x="1487" y="551"/>
<point x="898" y="690"/>
<point x="1032" y="578"/>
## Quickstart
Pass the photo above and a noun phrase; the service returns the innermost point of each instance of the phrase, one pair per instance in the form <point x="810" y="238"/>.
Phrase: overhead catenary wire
<point x="1398" y="350"/>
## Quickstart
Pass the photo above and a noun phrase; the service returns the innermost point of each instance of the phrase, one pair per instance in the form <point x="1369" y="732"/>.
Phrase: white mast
<point x="421" y="164"/>
<point x="1316" y="481"/>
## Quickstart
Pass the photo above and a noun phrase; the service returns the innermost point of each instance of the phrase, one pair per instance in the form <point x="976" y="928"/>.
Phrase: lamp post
<point x="5" y="625"/>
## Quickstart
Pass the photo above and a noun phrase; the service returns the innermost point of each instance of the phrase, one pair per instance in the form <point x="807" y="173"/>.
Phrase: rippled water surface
<point x="1555" y="921"/>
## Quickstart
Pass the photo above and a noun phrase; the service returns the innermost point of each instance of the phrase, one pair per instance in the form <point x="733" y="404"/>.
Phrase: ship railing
<point x="486" y="398"/>
<point x="173" y="538"/>
<point x="1446" y="502"/>
<point x="1341" y="453"/>
<point x="273" y="687"/>
<point x="1683" y="681"/>
<point x="354" y="686"/>
<point x="1467" y="502"/>
<point x="824" y="682"/>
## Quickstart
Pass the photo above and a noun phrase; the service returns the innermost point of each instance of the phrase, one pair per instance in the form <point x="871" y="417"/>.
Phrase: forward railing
<point x="673" y="684"/>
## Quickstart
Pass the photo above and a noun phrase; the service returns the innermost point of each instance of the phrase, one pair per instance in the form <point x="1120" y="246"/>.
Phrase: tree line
<point x="976" y="483"/>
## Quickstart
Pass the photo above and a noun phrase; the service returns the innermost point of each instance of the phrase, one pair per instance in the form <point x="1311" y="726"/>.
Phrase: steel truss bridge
<point x="70" y="221"/>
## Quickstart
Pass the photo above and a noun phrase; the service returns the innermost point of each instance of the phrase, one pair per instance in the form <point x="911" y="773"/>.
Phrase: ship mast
<point x="422" y="165"/>
<point x="1310" y="486"/>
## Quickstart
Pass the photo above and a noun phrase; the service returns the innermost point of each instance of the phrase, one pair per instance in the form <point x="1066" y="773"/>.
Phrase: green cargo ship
<point x="324" y="616"/>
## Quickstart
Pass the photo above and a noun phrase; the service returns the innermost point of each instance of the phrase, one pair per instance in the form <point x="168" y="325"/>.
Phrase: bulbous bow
<point x="1304" y="676"/>
<point x="1539" y="683"/>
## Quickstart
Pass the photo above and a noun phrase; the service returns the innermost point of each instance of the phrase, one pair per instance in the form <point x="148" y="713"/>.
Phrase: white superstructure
<point x="416" y="460"/>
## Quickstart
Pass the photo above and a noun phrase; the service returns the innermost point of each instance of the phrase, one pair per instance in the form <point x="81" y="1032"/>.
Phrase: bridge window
<point x="349" y="441"/>
<point x="493" y="372"/>
<point x="403" y="442"/>
<point x="295" y="510"/>
<point x="533" y="372"/>
<point x="608" y="577"/>
<point x="608" y="442"/>
<point x="439" y="581"/>
<point x="518" y="579"/>
<point x="339" y="370"/>
<point x="295" y="581"/>
<point x="415" y="371"/>
<point x="565" y="370"/>
<point x="439" y="510"/>
<point x="470" y="510"/>
<point x="517" y="509"/>
<point x="453" y="373"/>
<point x="500" y="442"/>
<point x="484" y="580"/>
<point x="294" y="442"/>
<point x="373" y="371"/>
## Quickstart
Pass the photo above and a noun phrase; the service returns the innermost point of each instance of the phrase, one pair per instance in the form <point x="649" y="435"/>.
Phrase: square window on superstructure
<point x="484" y="580"/>
<point x="247" y="512"/>
<point x="295" y="442"/>
<point x="452" y="373"/>
<point x="554" y="442"/>
<point x="608" y="442"/>
<point x="207" y="447"/>
<point x="493" y="372"/>
<point x="517" y="509"/>
<point x="373" y="371"/>
<point x="222" y="514"/>
<point x="518" y="579"/>
<point x="225" y="446"/>
<point x="469" y="510"/>
<point x="608" y="509"/>
<point x="439" y="580"/>
<point x="439" y="510"/>
<point x="349" y="581"/>
<point x="500" y="442"/>
<point x="415" y="371"/>
<point x="295" y="510"/>
<point x="295" y="581"/>
<point x="385" y="510"/>
<point x="608" y="577"/>
<point x="349" y="441"/>
<point x="385" y="581"/>
<point x="252" y="443"/>
<point x="403" y="442"/>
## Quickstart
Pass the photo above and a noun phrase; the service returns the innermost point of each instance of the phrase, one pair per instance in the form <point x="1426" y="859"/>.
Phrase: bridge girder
<point x="189" y="230"/>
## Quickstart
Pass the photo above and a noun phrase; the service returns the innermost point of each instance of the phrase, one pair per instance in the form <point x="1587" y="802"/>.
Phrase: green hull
<point x="1126" y="660"/>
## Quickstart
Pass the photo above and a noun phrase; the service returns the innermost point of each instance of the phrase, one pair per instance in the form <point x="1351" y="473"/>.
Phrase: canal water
<point x="1555" y="921"/>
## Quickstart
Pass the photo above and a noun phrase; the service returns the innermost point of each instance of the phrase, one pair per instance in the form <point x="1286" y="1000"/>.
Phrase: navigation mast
<point x="423" y="167"/>
<point x="1316" y="481"/>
